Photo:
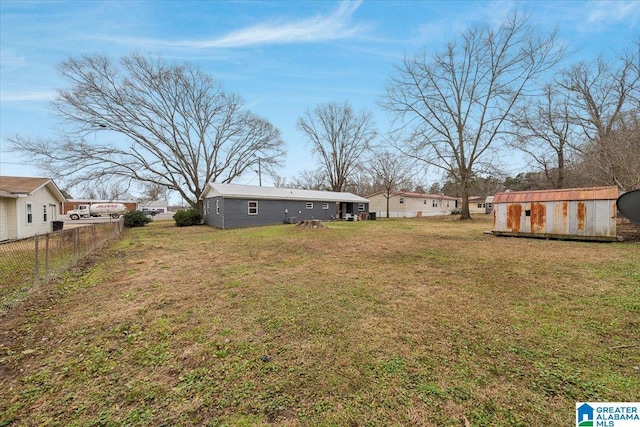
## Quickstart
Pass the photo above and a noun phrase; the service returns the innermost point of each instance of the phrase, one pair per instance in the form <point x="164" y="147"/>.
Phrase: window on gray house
<point x="309" y="205"/>
<point x="253" y="208"/>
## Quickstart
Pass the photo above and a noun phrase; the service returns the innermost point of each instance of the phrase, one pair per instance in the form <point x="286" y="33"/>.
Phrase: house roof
<point x="565" y="194"/>
<point x="250" y="191"/>
<point x="415" y="195"/>
<point x="18" y="186"/>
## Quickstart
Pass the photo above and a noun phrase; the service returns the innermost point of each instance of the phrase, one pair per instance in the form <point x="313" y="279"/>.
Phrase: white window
<point x="424" y="201"/>
<point x="218" y="207"/>
<point x="29" y="214"/>
<point x="309" y="205"/>
<point x="253" y="208"/>
<point x="325" y="206"/>
<point x="206" y="211"/>
<point x="434" y="204"/>
<point x="44" y="213"/>
<point x="401" y="200"/>
<point x="360" y="207"/>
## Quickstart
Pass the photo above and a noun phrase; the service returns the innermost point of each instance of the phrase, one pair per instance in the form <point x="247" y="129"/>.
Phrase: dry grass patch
<point x="391" y="322"/>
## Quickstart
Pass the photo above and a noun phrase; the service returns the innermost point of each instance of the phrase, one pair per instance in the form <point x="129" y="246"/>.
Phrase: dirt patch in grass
<point x="389" y="322"/>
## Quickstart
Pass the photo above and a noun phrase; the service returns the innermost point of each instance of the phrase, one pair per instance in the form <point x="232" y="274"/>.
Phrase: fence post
<point x="37" y="263"/>
<point x="75" y="244"/>
<point x="46" y="258"/>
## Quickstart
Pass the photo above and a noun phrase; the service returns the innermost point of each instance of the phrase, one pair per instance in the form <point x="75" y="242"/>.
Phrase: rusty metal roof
<point x="564" y="194"/>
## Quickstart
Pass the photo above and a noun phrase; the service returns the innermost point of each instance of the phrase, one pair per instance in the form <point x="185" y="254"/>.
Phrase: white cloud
<point x="606" y="13"/>
<point x="10" y="61"/>
<point x="317" y="29"/>
<point x="45" y="95"/>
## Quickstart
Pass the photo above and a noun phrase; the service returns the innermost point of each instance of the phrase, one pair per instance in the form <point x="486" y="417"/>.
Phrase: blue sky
<point x="281" y="57"/>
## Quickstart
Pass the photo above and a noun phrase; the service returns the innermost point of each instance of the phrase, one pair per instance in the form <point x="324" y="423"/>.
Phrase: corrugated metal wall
<point x="521" y="214"/>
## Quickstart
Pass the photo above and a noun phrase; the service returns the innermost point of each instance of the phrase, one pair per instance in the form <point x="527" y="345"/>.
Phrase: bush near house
<point x="188" y="217"/>
<point x="135" y="219"/>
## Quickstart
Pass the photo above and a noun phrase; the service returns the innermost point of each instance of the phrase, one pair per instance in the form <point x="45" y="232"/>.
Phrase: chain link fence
<point x="31" y="262"/>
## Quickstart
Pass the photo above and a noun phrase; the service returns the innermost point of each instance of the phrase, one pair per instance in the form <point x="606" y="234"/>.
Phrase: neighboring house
<point x="28" y="206"/>
<point x="478" y="205"/>
<point x="72" y="204"/>
<point x="571" y="213"/>
<point x="404" y="204"/>
<point x="156" y="206"/>
<point x="232" y="206"/>
<point x="489" y="204"/>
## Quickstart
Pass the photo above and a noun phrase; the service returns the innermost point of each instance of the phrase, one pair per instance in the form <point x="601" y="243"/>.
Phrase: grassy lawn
<point x="382" y="323"/>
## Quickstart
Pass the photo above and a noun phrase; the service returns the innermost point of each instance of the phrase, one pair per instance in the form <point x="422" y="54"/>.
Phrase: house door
<point x="54" y="212"/>
<point x="346" y="208"/>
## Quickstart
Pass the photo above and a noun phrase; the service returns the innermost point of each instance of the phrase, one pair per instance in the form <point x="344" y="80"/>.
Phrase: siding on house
<point x="4" y="220"/>
<point x="577" y="213"/>
<point x="234" y="213"/>
<point x="232" y="206"/>
<point x="39" y="200"/>
<point x="407" y="204"/>
<point x="480" y="205"/>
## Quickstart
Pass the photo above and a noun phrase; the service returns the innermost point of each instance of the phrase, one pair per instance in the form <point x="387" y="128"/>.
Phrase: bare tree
<point x="601" y="91"/>
<point x="278" y="180"/>
<point x="543" y="131"/>
<point x="108" y="191"/>
<point x="154" y="192"/>
<point x="604" y="102"/>
<point x="360" y="181"/>
<point x="390" y="172"/>
<point x="453" y="108"/>
<point x="615" y="160"/>
<point x="311" y="180"/>
<point x="339" y="137"/>
<point x="147" y="122"/>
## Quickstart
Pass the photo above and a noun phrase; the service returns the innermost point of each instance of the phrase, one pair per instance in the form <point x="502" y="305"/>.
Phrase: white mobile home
<point x="405" y="204"/>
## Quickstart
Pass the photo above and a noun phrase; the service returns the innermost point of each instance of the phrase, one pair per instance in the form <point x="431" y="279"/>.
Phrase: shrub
<point x="135" y="219"/>
<point x="188" y="217"/>
<point x="456" y="211"/>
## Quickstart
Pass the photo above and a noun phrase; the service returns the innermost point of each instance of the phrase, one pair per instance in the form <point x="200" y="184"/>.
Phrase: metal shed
<point x="572" y="213"/>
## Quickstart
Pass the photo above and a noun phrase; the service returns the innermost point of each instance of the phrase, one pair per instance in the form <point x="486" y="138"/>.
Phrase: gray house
<point x="232" y="206"/>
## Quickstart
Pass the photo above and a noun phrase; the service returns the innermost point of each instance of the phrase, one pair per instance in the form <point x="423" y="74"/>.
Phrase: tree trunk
<point x="466" y="214"/>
